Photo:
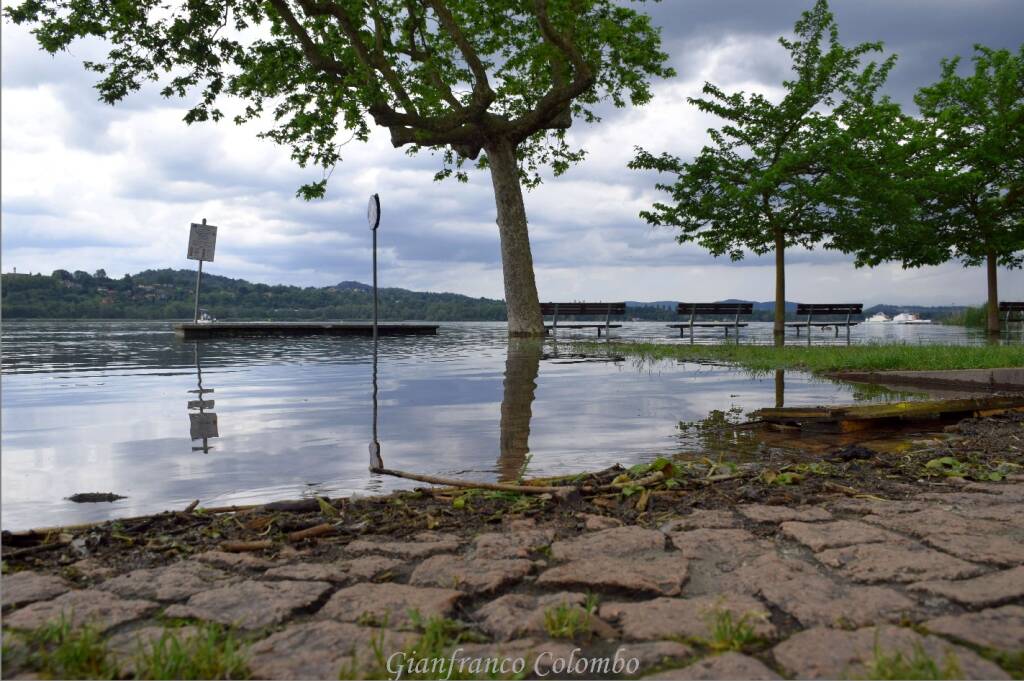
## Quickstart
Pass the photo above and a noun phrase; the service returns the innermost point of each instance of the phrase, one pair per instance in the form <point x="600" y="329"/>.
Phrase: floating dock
<point x="202" y="331"/>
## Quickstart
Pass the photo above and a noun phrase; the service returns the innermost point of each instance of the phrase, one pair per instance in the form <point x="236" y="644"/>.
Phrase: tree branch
<point x="309" y="47"/>
<point x="552" y="110"/>
<point x="483" y="95"/>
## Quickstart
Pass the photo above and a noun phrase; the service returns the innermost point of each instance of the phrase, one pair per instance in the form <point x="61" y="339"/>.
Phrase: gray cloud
<point x="86" y="185"/>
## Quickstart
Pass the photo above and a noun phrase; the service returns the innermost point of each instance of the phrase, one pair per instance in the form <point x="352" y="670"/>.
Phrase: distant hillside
<point x="168" y="294"/>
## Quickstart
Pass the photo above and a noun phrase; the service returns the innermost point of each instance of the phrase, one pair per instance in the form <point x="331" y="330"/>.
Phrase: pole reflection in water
<point x="376" y="462"/>
<point x="780" y="388"/>
<point x="522" y="364"/>
<point x="202" y="423"/>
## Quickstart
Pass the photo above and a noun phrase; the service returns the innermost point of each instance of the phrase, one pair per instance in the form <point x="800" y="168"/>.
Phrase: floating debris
<point x="841" y="419"/>
<point x="94" y="497"/>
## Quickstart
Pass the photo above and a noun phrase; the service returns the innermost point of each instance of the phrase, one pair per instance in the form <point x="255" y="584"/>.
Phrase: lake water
<point x="126" y="407"/>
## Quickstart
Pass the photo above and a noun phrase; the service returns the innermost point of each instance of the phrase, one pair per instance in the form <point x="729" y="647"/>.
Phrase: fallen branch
<point x="470" y="484"/>
<point x="243" y="546"/>
<point x="315" y="531"/>
<point x="191" y="507"/>
<point x="42" y="548"/>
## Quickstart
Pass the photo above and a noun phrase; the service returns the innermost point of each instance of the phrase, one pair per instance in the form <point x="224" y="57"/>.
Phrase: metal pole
<point x="374" y="285"/>
<point x="199" y="274"/>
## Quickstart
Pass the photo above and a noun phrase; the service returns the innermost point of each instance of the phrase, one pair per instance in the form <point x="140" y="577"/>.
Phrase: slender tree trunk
<point x="524" y="318"/>
<point x="779" y="330"/>
<point x="993" y="294"/>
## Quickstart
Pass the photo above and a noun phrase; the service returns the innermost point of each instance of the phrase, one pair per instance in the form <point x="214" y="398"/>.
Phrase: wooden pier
<point x="202" y="331"/>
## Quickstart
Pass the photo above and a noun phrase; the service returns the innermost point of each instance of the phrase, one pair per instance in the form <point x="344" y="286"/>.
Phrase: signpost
<point x="202" y="242"/>
<point x="373" y="217"/>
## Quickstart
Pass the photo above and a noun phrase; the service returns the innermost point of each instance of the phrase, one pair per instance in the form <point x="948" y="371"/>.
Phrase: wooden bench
<point x="719" y="309"/>
<point x="812" y="310"/>
<point x="556" y="310"/>
<point x="1009" y="309"/>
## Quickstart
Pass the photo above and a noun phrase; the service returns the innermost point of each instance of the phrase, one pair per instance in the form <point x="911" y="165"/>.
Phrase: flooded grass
<point x="821" y="359"/>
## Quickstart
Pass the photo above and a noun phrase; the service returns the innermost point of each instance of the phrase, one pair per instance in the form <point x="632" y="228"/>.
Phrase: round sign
<point x="373" y="212"/>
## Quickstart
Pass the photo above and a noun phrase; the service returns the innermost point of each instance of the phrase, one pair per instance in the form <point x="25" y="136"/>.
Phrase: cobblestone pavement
<point x="824" y="591"/>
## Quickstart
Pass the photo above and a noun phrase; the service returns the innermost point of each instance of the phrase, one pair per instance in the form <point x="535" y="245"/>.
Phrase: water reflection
<point x="522" y="364"/>
<point x="202" y="423"/>
<point x="376" y="461"/>
<point x="780" y="388"/>
<point x="97" y="407"/>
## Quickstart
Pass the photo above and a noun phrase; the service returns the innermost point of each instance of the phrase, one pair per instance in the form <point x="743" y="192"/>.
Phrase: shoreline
<point x="738" y="568"/>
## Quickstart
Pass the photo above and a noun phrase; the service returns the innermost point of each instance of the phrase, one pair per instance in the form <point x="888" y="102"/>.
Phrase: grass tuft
<point x="728" y="632"/>
<point x="568" y="620"/>
<point x="58" y="651"/>
<point x="208" y="653"/>
<point x="918" y="665"/>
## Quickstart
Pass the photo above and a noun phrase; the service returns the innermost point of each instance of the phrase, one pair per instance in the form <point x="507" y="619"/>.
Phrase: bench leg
<point x="599" y="332"/>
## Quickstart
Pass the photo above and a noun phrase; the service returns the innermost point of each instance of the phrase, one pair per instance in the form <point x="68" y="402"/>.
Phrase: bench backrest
<point x="829" y="308"/>
<point x="569" y="309"/>
<point x="1011" y="307"/>
<point x="715" y="308"/>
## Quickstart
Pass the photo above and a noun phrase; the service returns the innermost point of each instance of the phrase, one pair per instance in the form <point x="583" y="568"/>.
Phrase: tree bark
<point x="993" y="293"/>
<point x="521" y="301"/>
<point x="779" y="330"/>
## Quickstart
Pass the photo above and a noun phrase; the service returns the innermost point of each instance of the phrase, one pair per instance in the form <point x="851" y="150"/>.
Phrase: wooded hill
<point x="168" y="294"/>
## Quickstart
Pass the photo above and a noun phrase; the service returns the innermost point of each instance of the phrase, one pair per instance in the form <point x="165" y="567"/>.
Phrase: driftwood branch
<point x="243" y="546"/>
<point x="309" y="532"/>
<point x="472" y="484"/>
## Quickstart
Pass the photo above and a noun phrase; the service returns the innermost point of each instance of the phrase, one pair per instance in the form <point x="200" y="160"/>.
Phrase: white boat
<point x="909" y="318"/>
<point x="878" y="318"/>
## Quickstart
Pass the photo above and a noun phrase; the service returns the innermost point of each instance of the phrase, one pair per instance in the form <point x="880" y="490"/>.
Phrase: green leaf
<point x="326" y="509"/>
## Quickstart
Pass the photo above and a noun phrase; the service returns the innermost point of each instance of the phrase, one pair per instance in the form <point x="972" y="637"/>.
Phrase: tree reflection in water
<point x="522" y="364"/>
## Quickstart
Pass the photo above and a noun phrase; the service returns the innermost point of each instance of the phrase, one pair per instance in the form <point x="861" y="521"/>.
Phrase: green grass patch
<point x="209" y="652"/>
<point x="428" y="658"/>
<point x="728" y="632"/>
<point x="822" y="358"/>
<point x="568" y="620"/>
<point x="917" y="665"/>
<point x="57" y="651"/>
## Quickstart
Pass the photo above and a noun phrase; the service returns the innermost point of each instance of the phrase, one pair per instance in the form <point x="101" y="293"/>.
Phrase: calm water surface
<point x="126" y="407"/>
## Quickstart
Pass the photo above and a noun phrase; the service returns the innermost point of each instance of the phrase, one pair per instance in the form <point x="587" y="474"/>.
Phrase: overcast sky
<point x="88" y="186"/>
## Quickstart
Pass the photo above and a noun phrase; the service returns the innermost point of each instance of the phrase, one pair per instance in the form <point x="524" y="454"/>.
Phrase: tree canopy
<point x="962" y="163"/>
<point x="782" y="173"/>
<point x="506" y="77"/>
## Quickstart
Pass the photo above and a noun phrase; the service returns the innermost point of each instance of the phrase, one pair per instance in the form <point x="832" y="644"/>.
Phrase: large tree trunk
<point x="524" y="318"/>
<point x="993" y="294"/>
<point x="779" y="330"/>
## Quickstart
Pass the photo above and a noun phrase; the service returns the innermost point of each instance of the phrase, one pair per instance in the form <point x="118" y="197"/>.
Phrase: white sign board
<point x="202" y="240"/>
